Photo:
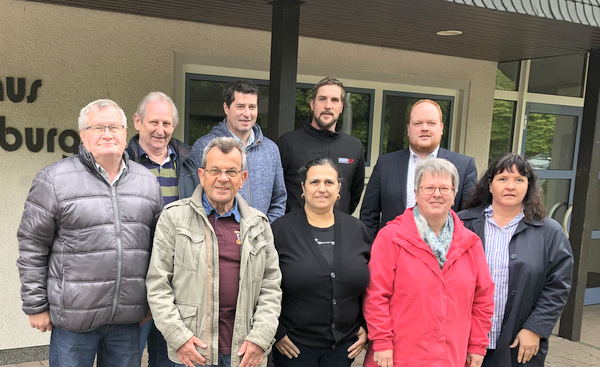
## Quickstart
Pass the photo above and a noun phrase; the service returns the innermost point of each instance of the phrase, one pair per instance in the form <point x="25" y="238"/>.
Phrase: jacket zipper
<point x="119" y="253"/>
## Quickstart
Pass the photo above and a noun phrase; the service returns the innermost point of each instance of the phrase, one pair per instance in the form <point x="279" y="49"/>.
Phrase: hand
<point x="187" y="353"/>
<point x="253" y="354"/>
<point x="529" y="344"/>
<point x="358" y="346"/>
<point x="286" y="347"/>
<point x="145" y="320"/>
<point x="41" y="321"/>
<point x="384" y="358"/>
<point x="474" y="360"/>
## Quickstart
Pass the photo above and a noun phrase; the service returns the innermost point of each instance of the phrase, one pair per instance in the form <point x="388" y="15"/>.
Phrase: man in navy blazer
<point x="391" y="186"/>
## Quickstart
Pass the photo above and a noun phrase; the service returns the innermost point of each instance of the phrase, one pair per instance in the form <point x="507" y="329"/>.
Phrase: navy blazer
<point x="385" y="197"/>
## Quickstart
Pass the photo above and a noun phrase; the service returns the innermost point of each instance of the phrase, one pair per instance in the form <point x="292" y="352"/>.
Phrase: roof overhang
<point x="495" y="30"/>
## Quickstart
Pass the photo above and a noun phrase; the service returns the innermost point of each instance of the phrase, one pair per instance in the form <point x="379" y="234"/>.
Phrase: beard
<point x="322" y="124"/>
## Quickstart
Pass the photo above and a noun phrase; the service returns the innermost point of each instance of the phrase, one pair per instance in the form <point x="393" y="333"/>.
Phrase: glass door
<point x="550" y="144"/>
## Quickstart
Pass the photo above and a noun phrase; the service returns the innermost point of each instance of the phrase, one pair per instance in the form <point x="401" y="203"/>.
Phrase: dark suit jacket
<point x="385" y="197"/>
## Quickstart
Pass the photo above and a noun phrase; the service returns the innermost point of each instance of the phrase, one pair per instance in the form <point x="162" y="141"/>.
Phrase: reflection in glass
<point x="501" y="138"/>
<point x="507" y="75"/>
<point x="560" y="75"/>
<point x="397" y="110"/>
<point x="550" y="141"/>
<point x="556" y="197"/>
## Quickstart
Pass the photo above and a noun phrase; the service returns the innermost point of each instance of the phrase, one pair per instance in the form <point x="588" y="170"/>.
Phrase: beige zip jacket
<point x="183" y="280"/>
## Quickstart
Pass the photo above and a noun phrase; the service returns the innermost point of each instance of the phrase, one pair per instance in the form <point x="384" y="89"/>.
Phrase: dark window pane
<point x="507" y="75"/>
<point x="550" y="140"/>
<point x="561" y="75"/>
<point x="397" y="110"/>
<point x="501" y="138"/>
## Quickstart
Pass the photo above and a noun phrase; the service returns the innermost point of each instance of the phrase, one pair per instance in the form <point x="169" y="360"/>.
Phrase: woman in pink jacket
<point x="430" y="297"/>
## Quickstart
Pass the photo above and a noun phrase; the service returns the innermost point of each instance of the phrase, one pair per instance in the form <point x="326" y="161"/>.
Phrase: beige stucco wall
<point x="81" y="55"/>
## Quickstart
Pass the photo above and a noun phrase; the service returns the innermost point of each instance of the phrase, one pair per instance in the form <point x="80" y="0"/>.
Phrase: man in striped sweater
<point x="167" y="158"/>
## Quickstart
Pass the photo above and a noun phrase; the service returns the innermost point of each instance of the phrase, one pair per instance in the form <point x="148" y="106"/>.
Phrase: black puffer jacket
<point x="84" y="245"/>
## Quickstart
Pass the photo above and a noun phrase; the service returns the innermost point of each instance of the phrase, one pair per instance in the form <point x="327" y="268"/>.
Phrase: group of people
<point x="238" y="248"/>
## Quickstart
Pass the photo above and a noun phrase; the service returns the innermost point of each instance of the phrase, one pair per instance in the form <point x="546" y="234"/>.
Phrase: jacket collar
<point x="181" y="149"/>
<point x="324" y="134"/>
<point x="88" y="159"/>
<point x="221" y="129"/>
<point x="248" y="216"/>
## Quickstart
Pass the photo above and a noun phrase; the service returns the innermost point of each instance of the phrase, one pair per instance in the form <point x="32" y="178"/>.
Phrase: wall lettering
<point x="17" y="94"/>
<point x="35" y="139"/>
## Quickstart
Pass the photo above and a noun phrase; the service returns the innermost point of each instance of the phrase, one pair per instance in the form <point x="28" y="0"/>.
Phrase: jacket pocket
<point x="187" y="248"/>
<point x="189" y="316"/>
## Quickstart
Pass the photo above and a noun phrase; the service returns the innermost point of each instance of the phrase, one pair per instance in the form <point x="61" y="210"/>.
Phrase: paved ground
<point x="563" y="352"/>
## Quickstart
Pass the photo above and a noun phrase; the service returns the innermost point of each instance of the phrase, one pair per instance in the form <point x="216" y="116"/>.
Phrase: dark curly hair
<point x="533" y="207"/>
<point x="319" y="162"/>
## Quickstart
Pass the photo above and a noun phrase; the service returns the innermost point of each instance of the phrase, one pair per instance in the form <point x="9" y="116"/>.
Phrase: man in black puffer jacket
<point x="84" y="245"/>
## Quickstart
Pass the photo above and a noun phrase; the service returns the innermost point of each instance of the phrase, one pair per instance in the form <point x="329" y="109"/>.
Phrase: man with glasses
<point x="214" y="279"/>
<point x="84" y="246"/>
<point x="264" y="189"/>
<point x="391" y="185"/>
<point x="167" y="158"/>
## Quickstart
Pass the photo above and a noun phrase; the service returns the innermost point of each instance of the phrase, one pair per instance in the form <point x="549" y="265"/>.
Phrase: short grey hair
<point x="156" y="97"/>
<point x="99" y="104"/>
<point x="436" y="166"/>
<point x="225" y="145"/>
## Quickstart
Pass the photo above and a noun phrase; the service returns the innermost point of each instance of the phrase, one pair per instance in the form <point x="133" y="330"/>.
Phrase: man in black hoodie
<point x="323" y="137"/>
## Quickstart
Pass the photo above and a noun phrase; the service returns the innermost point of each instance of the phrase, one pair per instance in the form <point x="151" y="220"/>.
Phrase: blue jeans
<point x="157" y="346"/>
<point x="114" y="345"/>
<point x="224" y="361"/>
<point x="316" y="357"/>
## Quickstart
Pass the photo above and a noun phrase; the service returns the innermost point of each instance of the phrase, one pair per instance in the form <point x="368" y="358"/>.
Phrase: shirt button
<point x="513" y="292"/>
<point x="335" y="302"/>
<point x="332" y="274"/>
<point x="333" y="326"/>
<point x="209" y="266"/>
<point x="513" y="256"/>
<point x="197" y="238"/>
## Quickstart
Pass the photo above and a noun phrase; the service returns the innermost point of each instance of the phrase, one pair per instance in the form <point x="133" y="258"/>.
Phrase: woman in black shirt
<point x="323" y="256"/>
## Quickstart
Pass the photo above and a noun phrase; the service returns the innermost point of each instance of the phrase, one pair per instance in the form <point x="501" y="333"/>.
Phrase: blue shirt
<point x="208" y="208"/>
<point x="497" y="255"/>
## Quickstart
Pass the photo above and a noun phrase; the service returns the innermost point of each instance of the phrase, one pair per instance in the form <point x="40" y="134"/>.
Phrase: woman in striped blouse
<point x="529" y="257"/>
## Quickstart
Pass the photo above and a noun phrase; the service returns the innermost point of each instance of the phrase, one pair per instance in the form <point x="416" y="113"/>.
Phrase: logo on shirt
<point x="346" y="160"/>
<point x="238" y="236"/>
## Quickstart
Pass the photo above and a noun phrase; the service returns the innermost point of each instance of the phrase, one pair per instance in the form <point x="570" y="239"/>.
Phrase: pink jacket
<point x="428" y="316"/>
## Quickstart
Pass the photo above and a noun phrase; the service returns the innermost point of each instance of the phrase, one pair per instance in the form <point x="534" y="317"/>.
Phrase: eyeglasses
<point x="218" y="172"/>
<point x="100" y="129"/>
<point x="444" y="190"/>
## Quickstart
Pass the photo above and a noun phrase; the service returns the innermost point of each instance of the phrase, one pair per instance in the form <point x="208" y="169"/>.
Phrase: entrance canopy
<point x="494" y="30"/>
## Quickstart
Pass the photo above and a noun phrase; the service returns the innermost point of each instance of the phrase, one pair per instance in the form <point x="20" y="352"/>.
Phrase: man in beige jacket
<point x="214" y="280"/>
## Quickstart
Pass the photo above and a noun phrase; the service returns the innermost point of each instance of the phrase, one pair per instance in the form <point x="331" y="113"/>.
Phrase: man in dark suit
<point x="391" y="186"/>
